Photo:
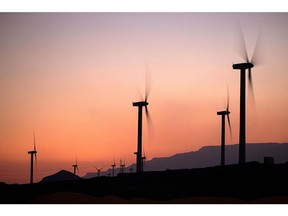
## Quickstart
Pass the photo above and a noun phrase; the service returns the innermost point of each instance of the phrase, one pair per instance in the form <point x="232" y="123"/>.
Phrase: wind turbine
<point x="113" y="168"/>
<point x="223" y="114"/>
<point x="122" y="166"/>
<point x="32" y="153"/>
<point x="98" y="171"/>
<point x="242" y="67"/>
<point x="140" y="105"/>
<point x="75" y="166"/>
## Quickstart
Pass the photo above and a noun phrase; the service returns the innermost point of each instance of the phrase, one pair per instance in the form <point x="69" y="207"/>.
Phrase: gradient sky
<point x="72" y="78"/>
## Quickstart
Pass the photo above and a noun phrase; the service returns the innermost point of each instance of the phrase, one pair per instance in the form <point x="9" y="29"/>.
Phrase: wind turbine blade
<point x="251" y="96"/>
<point x="34" y="140"/>
<point x="250" y="78"/>
<point x="36" y="159"/>
<point x="139" y="95"/>
<point x="258" y="53"/>
<point x="240" y="43"/>
<point x="251" y="89"/>
<point x="227" y="108"/>
<point x="229" y="123"/>
<point x="148" y="117"/>
<point x="149" y="124"/>
<point x="148" y="82"/>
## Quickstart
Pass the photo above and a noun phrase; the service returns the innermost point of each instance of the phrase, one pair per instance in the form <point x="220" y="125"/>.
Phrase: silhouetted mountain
<point x="210" y="156"/>
<point x="62" y="175"/>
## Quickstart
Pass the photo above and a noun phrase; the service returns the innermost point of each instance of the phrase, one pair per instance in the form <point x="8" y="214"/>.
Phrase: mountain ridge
<point x="208" y="156"/>
<point x="62" y="175"/>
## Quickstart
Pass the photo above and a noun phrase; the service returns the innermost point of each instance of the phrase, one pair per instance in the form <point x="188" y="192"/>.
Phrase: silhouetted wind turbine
<point x="75" y="166"/>
<point x="113" y="168"/>
<point x="122" y="166"/>
<point x="32" y="153"/>
<point x="223" y="114"/>
<point x="98" y="171"/>
<point x="242" y="67"/>
<point x="140" y="104"/>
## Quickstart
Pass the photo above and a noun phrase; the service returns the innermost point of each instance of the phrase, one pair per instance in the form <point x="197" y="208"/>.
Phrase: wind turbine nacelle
<point x="141" y="103"/>
<point x="243" y="66"/>
<point x="223" y="113"/>
<point x="32" y="152"/>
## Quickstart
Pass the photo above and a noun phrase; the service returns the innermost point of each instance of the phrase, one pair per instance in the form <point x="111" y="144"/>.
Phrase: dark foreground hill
<point x="62" y="175"/>
<point x="246" y="183"/>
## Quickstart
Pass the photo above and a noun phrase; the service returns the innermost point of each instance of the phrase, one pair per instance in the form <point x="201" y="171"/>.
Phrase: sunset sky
<point x="72" y="77"/>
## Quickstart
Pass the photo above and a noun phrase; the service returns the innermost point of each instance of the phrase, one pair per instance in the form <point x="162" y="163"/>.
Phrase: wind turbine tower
<point x="242" y="130"/>
<point x="75" y="167"/>
<point x="248" y="65"/>
<point x="223" y="114"/>
<point x="113" y="168"/>
<point x="32" y="153"/>
<point x="122" y="166"/>
<point x="140" y="105"/>
<point x="99" y="170"/>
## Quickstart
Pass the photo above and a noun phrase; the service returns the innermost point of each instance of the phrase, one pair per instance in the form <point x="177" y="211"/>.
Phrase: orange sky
<point x="73" y="77"/>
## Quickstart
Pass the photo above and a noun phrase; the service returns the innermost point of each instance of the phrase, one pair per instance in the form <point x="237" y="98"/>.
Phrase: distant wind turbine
<point x="33" y="153"/>
<point x="98" y="171"/>
<point x="122" y="166"/>
<point x="75" y="166"/>
<point x="242" y="67"/>
<point x="113" y="168"/>
<point x="223" y="114"/>
<point x="140" y="105"/>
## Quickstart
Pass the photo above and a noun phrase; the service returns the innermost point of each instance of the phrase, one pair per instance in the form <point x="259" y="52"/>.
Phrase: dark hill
<point x="62" y="175"/>
<point x="245" y="183"/>
<point x="209" y="156"/>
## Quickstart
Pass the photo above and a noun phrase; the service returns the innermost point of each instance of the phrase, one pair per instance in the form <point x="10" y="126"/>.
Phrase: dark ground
<point x="246" y="183"/>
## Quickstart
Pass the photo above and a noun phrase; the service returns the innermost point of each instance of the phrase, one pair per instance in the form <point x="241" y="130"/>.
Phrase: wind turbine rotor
<point x="35" y="151"/>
